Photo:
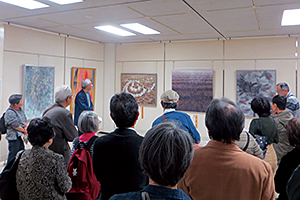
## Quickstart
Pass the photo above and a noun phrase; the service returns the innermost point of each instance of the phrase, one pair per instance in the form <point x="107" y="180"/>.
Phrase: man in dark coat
<point x="115" y="159"/>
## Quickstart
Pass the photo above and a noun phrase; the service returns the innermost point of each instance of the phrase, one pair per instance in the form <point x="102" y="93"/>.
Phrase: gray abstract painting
<point x="251" y="84"/>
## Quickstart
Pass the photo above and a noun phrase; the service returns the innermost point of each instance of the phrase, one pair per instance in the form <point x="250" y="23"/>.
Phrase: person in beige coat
<point x="221" y="170"/>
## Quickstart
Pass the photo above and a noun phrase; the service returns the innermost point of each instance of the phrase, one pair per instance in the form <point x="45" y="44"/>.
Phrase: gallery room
<point x="204" y="48"/>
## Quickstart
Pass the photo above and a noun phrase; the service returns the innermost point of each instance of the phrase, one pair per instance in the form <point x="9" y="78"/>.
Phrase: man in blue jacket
<point x="83" y="99"/>
<point x="169" y="102"/>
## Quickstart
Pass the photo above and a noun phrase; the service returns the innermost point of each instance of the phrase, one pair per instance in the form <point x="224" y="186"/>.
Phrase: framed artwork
<point x="78" y="74"/>
<point x="38" y="90"/>
<point x="251" y="84"/>
<point x="195" y="89"/>
<point x="141" y="86"/>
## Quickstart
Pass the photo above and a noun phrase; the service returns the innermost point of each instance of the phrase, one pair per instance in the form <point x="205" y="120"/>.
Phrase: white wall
<point x="220" y="56"/>
<point x="26" y="46"/>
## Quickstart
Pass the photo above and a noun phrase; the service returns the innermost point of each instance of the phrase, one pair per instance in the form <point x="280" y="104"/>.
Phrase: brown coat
<point x="224" y="171"/>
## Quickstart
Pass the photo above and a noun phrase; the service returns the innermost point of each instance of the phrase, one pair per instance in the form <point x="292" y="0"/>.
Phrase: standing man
<point x="221" y="170"/>
<point x="62" y="121"/>
<point x="83" y="99"/>
<point x="116" y="155"/>
<point x="282" y="116"/>
<point x="169" y="102"/>
<point x="292" y="103"/>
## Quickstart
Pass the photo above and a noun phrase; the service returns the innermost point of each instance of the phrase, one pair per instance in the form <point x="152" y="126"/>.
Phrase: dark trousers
<point x="14" y="146"/>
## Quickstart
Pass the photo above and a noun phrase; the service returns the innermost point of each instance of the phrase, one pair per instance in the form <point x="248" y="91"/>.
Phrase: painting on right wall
<point x="251" y="84"/>
<point x="195" y="89"/>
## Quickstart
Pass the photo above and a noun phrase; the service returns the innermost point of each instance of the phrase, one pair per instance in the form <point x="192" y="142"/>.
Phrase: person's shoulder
<point x="127" y="196"/>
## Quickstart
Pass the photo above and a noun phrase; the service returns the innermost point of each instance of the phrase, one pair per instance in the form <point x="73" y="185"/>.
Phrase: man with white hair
<point x="62" y="121"/>
<point x="83" y="99"/>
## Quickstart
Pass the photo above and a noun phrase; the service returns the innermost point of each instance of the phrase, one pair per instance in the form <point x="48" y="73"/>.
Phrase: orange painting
<point x="78" y="74"/>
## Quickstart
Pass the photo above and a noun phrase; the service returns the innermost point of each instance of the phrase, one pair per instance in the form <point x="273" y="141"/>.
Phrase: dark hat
<point x="169" y="96"/>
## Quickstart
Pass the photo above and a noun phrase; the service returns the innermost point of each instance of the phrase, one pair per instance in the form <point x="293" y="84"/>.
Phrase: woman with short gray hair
<point x="16" y="123"/>
<point x="88" y="123"/>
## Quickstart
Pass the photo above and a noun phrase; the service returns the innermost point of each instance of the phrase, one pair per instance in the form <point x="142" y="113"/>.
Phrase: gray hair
<point x="85" y="83"/>
<point x="283" y="86"/>
<point x="88" y="122"/>
<point x="165" y="153"/>
<point x="62" y="93"/>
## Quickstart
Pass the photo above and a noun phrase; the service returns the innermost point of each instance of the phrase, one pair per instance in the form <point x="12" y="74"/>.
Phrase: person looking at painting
<point x="62" y="121"/>
<point x="282" y="117"/>
<point x="292" y="103"/>
<point x="169" y="102"/>
<point x="16" y="123"/>
<point x="83" y="100"/>
<point x="116" y="155"/>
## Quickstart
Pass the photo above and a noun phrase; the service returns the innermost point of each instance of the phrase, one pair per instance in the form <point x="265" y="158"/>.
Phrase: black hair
<point x="14" y="99"/>
<point x="40" y="130"/>
<point x="224" y="120"/>
<point x="280" y="101"/>
<point x="169" y="105"/>
<point x="293" y="132"/>
<point x="166" y="153"/>
<point x="123" y="110"/>
<point x="261" y="106"/>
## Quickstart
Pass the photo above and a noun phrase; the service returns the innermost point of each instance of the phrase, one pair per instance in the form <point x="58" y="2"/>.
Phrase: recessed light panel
<point x="114" y="30"/>
<point x="63" y="2"/>
<point x="140" y="28"/>
<point x="28" y="4"/>
<point x="291" y="17"/>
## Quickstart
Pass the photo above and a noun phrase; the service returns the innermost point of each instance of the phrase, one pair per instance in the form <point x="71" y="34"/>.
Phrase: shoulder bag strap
<point x="164" y="118"/>
<point x="145" y="195"/>
<point x="54" y="106"/>
<point x="248" y="140"/>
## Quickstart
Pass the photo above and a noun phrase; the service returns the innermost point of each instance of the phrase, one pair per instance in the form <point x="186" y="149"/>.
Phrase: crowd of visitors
<point x="167" y="163"/>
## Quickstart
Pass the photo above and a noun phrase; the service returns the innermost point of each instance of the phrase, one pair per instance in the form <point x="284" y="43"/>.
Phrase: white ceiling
<point x="175" y="19"/>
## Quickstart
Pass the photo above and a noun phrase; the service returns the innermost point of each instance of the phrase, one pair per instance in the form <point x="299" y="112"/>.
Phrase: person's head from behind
<point x="166" y="153"/>
<point x="261" y="106"/>
<point x="169" y="99"/>
<point x="63" y="94"/>
<point x="282" y="88"/>
<point x="88" y="122"/>
<point x="224" y="120"/>
<point x="293" y="132"/>
<point x="40" y="132"/>
<point x="124" y="110"/>
<point x="278" y="103"/>
<point x="86" y="84"/>
<point x="16" y="100"/>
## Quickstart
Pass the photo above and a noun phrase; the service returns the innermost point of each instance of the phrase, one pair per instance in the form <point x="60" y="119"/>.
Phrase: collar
<point x="85" y="137"/>
<point x="222" y="145"/>
<point x="169" y="110"/>
<point x="14" y="107"/>
<point x="165" y="193"/>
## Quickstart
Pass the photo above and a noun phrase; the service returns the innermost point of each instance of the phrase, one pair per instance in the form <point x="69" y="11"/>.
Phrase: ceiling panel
<point x="173" y="18"/>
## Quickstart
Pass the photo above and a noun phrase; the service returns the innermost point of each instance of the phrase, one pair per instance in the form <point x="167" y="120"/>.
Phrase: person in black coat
<point x="116" y="155"/>
<point x="290" y="161"/>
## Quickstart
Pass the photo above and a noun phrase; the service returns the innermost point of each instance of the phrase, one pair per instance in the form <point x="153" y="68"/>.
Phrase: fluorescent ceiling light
<point x="29" y="4"/>
<point x="291" y="17"/>
<point x="140" y="28"/>
<point x="114" y="30"/>
<point x="63" y="2"/>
